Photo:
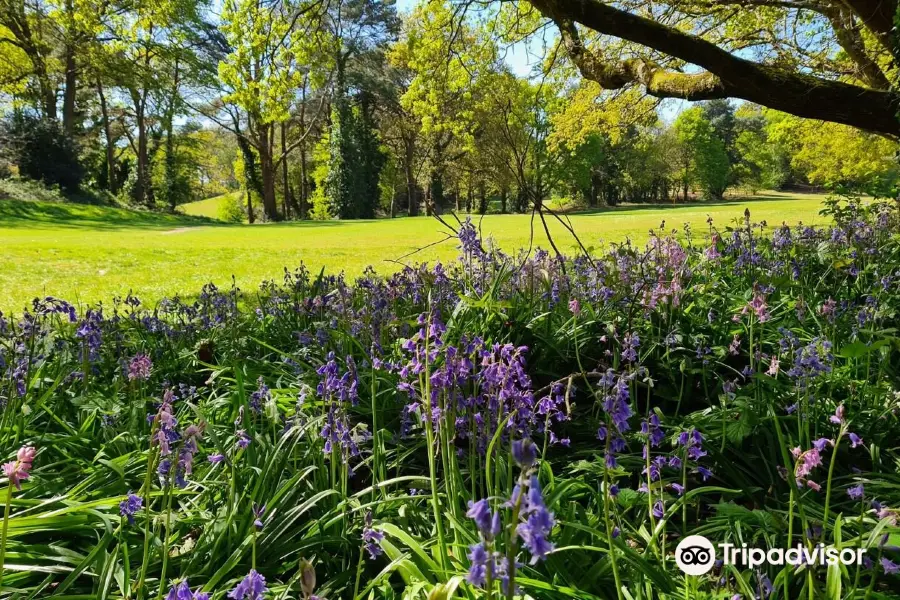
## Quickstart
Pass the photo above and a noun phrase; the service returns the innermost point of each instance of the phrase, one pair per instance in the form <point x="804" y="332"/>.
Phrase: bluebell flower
<point x="251" y="587"/>
<point x="182" y="591"/>
<point x="131" y="505"/>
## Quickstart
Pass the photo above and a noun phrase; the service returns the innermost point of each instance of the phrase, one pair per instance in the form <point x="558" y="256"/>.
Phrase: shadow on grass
<point x="39" y="215"/>
<point x="24" y="214"/>
<point x="692" y="206"/>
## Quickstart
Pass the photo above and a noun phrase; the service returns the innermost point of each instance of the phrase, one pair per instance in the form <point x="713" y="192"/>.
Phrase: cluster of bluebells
<point x="618" y="411"/>
<point x="165" y="435"/>
<point x="533" y="525"/>
<point x="811" y="361"/>
<point x="475" y="388"/>
<point x="182" y="591"/>
<point x="479" y="387"/>
<point x="338" y="392"/>
<point x="806" y="461"/>
<point x="260" y="396"/>
<point x="90" y="332"/>
<point x="692" y="444"/>
<point x="139" y="368"/>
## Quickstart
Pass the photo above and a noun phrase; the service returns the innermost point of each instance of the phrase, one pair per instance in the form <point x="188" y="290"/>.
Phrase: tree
<point x="708" y="164"/>
<point x="447" y="59"/>
<point x="835" y="156"/>
<point x="761" y="162"/>
<point x="849" y="73"/>
<point x="268" y="46"/>
<point x="721" y="116"/>
<point x="357" y="27"/>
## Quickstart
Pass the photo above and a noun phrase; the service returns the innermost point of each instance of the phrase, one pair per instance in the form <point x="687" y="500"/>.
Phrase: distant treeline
<point x="349" y="110"/>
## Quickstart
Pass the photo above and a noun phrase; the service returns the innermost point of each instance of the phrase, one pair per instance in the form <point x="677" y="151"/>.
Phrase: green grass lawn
<point x="205" y="208"/>
<point x="89" y="253"/>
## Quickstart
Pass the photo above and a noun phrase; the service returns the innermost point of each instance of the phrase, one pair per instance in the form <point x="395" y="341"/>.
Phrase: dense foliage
<point x="353" y="109"/>
<point x="502" y="425"/>
<point x="41" y="151"/>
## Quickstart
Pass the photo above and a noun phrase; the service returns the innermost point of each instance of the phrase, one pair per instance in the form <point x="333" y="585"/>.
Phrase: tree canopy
<point x="820" y="59"/>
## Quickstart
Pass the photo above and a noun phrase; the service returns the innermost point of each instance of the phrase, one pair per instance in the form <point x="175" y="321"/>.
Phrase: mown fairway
<point x="86" y="253"/>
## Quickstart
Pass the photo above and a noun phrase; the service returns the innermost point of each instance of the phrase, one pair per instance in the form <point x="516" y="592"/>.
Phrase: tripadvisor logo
<point x="696" y="555"/>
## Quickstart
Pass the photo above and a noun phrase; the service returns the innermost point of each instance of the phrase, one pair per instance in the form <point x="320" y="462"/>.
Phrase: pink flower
<point x="574" y="306"/>
<point x="26" y="454"/>
<point x="759" y="306"/>
<point x="838" y="417"/>
<point x="17" y="471"/>
<point x="773" y="367"/>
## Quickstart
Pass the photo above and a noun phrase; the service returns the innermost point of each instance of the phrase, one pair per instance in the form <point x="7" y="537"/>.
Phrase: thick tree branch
<point x="658" y="81"/>
<point x="726" y="75"/>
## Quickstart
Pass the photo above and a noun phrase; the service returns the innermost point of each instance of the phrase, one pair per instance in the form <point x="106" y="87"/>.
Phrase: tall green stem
<point x="834" y="452"/>
<point x="432" y="470"/>
<point x="165" y="548"/>
<point x="9" y="488"/>
<point x="145" y="492"/>
<point x="609" y="528"/>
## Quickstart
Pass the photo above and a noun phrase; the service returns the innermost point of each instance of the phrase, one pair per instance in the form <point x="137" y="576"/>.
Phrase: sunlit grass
<point x="90" y="253"/>
<point x="205" y="208"/>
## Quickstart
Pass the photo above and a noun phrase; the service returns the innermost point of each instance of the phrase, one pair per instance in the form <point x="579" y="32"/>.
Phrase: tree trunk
<point x="285" y="181"/>
<point x="304" y="176"/>
<point x="171" y="198"/>
<point x="304" y="185"/>
<point x="593" y="197"/>
<point x="112" y="183"/>
<point x="141" y="183"/>
<point x="504" y="193"/>
<point x="251" y="174"/>
<point x="435" y="199"/>
<point x="70" y="91"/>
<point x="412" y="200"/>
<point x="482" y="199"/>
<point x="267" y="171"/>
<point x="171" y="163"/>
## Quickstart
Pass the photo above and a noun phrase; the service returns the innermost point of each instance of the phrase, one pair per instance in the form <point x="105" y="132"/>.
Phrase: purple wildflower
<point x="251" y="587"/>
<point x="524" y="453"/>
<point x="538" y="523"/>
<point x="371" y="538"/>
<point x="258" y="513"/>
<point x="139" y="368"/>
<point x="182" y="591"/>
<point x="129" y="506"/>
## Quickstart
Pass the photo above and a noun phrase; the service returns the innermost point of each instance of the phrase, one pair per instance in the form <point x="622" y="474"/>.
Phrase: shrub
<point x="42" y="151"/>
<point x="233" y="208"/>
